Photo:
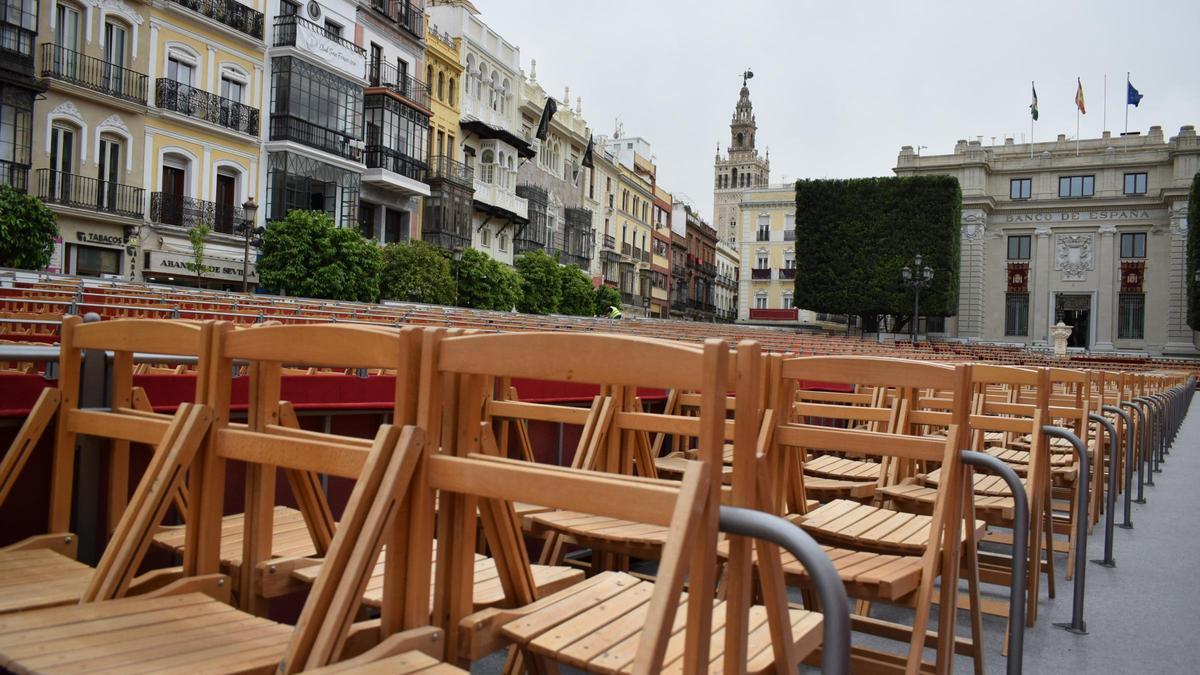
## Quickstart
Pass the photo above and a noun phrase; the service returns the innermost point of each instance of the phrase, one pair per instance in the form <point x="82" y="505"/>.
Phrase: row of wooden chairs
<point x="446" y="389"/>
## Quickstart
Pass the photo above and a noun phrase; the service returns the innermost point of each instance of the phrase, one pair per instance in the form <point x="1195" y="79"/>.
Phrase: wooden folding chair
<point x="885" y="555"/>
<point x="613" y="622"/>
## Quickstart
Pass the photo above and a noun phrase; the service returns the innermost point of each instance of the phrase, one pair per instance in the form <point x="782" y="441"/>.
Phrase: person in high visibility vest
<point x="614" y="312"/>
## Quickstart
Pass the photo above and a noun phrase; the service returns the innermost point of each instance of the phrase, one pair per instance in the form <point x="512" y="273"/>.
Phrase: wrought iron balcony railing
<point x="14" y="175"/>
<point x="186" y="212"/>
<point x="233" y="14"/>
<point x="626" y="248"/>
<point x="610" y="242"/>
<point x="441" y="166"/>
<point x="387" y="75"/>
<point x="287" y="26"/>
<point x="787" y="273"/>
<point x="81" y="192"/>
<point x="92" y="73"/>
<point x="200" y="104"/>
<point x="407" y="14"/>
<point x="382" y="157"/>
<point x="789" y="235"/>
<point x="763" y="273"/>
<point x="288" y="128"/>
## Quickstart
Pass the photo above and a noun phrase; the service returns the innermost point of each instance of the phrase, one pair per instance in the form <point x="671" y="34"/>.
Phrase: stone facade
<point x="742" y="168"/>
<point x="1092" y="233"/>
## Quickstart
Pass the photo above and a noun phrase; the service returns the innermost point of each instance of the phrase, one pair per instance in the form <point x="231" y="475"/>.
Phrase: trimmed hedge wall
<point x="854" y="236"/>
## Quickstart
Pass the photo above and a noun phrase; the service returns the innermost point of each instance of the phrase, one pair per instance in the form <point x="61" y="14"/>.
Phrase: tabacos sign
<point x="84" y="237"/>
<point x="1078" y="216"/>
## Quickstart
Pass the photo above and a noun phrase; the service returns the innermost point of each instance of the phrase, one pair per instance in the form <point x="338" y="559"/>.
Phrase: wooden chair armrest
<point x="216" y="586"/>
<point x="275" y="575"/>
<point x="426" y="639"/>
<point x="154" y="580"/>
<point x="481" y="630"/>
<point x="63" y="543"/>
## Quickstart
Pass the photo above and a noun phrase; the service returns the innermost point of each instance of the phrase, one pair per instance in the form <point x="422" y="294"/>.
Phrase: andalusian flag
<point x="1079" y="97"/>
<point x="1033" y="106"/>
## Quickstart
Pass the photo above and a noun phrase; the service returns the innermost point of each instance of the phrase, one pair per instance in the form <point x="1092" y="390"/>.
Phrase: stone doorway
<point x="1075" y="311"/>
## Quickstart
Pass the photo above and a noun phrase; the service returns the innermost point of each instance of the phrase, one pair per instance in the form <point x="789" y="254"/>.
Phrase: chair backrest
<point x="455" y="369"/>
<point x="266" y="442"/>
<point x="127" y="420"/>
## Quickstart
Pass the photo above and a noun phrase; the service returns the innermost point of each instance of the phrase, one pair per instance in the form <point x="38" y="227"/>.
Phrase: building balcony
<point x="404" y="13"/>
<point x="14" y="175"/>
<point x="703" y="306"/>
<point x="708" y="269"/>
<point x="197" y="103"/>
<point x="446" y="239"/>
<point x="288" y="128"/>
<point x="392" y="169"/>
<point x="441" y="166"/>
<point x="787" y="273"/>
<point x="388" y="76"/>
<point x="792" y="314"/>
<point x="789" y="235"/>
<point x="186" y="212"/>
<point x="60" y="63"/>
<point x="81" y="192"/>
<point x="763" y="235"/>
<point x="761" y="274"/>
<point x="320" y="43"/>
<point x="626" y="248"/>
<point x="610" y="243"/>
<point x="645" y="256"/>
<point x="494" y="188"/>
<point x="233" y="14"/>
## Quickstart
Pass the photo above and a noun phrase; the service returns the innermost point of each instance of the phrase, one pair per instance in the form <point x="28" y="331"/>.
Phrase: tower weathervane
<point x="746" y="76"/>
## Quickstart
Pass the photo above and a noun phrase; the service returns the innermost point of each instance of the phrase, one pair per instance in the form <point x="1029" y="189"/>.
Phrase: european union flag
<point x="1132" y="96"/>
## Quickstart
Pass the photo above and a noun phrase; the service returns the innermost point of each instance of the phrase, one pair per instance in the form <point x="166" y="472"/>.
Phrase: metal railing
<point x="387" y="75"/>
<point x="287" y="26"/>
<point x="187" y="100"/>
<point x="68" y="189"/>
<point x="233" y="14"/>
<point x="441" y="166"/>
<point x="288" y="128"/>
<point x="789" y="235"/>
<point x="407" y="14"/>
<point x="761" y="273"/>
<point x="787" y="272"/>
<point x="186" y="212"/>
<point x="626" y="248"/>
<point x="610" y="242"/>
<point x="92" y="73"/>
<point x="382" y="157"/>
<point x="15" y="175"/>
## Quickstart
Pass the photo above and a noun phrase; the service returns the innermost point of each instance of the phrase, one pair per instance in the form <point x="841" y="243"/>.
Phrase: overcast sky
<point x="839" y="87"/>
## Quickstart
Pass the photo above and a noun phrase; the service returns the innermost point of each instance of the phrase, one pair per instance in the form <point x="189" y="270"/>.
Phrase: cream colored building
<point x="725" y="290"/>
<point x="1092" y="233"/>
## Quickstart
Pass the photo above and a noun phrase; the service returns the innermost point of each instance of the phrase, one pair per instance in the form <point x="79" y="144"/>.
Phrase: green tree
<point x="27" y="230"/>
<point x="416" y="271"/>
<point x="578" y="298"/>
<point x="854" y="236"/>
<point x="196" y="236"/>
<point x="1193" y="253"/>
<point x="305" y="254"/>
<point x="606" y="298"/>
<point x="541" y="288"/>
<point x="484" y="283"/>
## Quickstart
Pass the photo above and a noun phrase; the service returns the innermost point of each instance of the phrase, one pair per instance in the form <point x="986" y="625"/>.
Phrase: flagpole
<point x="1125" y="136"/>
<point x="1034" y="88"/>
<point x="1105" y="125"/>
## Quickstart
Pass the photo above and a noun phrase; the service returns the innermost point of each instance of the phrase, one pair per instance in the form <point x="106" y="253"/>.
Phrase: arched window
<point x="735" y="178"/>
<point x="739" y="139"/>
<point x="495" y="91"/>
<point x="233" y="83"/>
<point x="429" y="75"/>
<point x="451" y="92"/>
<point x="487" y="160"/>
<point x="441" y="86"/>
<point x="479" y="82"/>
<point x="469" y="71"/>
<point x="504" y="86"/>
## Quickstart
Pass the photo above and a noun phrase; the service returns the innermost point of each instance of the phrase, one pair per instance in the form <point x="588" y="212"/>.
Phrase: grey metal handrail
<point x="1077" y="624"/>
<point x="1152" y="430"/>
<point x="831" y="592"/>
<point x="1128" y="522"/>
<point x="1148" y="417"/>
<point x="1110" y="504"/>
<point x="1016" y="594"/>
<point x="1141" y="451"/>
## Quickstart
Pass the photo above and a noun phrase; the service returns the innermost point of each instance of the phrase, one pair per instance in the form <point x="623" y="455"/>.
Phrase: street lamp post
<point x="250" y="233"/>
<point x="916" y="278"/>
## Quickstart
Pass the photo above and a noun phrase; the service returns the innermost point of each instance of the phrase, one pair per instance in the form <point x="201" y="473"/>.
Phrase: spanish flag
<point x="1079" y="97"/>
